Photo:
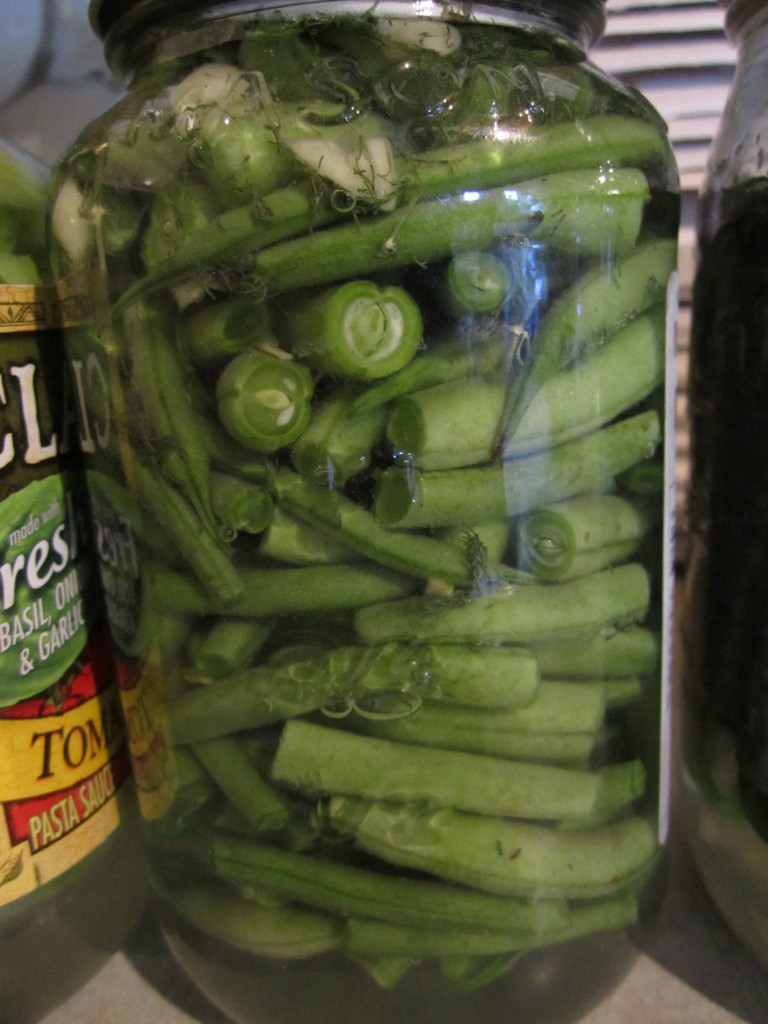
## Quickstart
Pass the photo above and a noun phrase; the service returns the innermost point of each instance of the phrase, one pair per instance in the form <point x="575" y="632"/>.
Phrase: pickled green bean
<point x="261" y="593"/>
<point x="369" y="938"/>
<point x="227" y="647"/>
<point x="452" y="497"/>
<point x="323" y="759"/>
<point x="339" y="442"/>
<point x="579" y="536"/>
<point x="633" y="651"/>
<point x="347" y="890"/>
<point x="559" y="710"/>
<point x="280" y="932"/>
<point x="526" y="615"/>
<point x="566" y="210"/>
<point x="348" y="523"/>
<point x="636" y="284"/>
<point x="356" y="329"/>
<point x="260" y="805"/>
<point x="500" y="855"/>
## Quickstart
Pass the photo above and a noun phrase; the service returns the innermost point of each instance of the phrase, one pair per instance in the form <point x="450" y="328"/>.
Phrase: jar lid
<point x="132" y="29"/>
<point x="584" y="17"/>
<point x="104" y="14"/>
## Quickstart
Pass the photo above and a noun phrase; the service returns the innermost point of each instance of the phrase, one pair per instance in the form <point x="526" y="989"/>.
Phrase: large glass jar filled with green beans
<point x="374" y="315"/>
<point x="725" y="607"/>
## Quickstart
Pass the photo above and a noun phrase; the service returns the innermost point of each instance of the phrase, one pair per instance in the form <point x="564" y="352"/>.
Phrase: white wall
<point x="53" y="78"/>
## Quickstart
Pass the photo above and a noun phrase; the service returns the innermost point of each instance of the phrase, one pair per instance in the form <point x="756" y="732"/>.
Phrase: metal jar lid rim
<point x="106" y="15"/>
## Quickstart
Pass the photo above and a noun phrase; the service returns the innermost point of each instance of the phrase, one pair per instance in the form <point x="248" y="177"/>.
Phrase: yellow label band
<point x="25" y="307"/>
<point x="54" y="752"/>
<point x="76" y="296"/>
<point x="43" y="822"/>
<point x="143" y="703"/>
<point x="64" y="773"/>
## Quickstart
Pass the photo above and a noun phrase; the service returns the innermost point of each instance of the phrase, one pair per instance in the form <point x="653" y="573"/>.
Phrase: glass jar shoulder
<point x="265" y="111"/>
<point x="738" y="149"/>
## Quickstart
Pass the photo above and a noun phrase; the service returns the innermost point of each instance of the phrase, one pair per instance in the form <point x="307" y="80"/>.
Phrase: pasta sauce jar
<point x="726" y="601"/>
<point x="381" y="307"/>
<point x="69" y="836"/>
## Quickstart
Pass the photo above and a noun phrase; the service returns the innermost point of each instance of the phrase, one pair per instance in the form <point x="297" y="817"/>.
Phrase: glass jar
<point x="377" y="400"/>
<point x="725" y="609"/>
<point x="70" y="840"/>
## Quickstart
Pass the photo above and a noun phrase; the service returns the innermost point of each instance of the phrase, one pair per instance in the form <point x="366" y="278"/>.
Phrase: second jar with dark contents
<point x="725" y="621"/>
<point x="376" y="388"/>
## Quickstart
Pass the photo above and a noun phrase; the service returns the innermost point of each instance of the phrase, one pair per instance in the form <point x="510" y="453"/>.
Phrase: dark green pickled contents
<point x="729" y="488"/>
<point x="405" y="154"/>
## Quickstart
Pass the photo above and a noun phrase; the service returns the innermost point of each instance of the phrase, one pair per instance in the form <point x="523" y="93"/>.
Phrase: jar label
<point x="143" y="702"/>
<point x="63" y="753"/>
<point x="75" y="298"/>
<point x="43" y="628"/>
<point x="25" y="307"/>
<point x="141" y="679"/>
<point x="63" y="764"/>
